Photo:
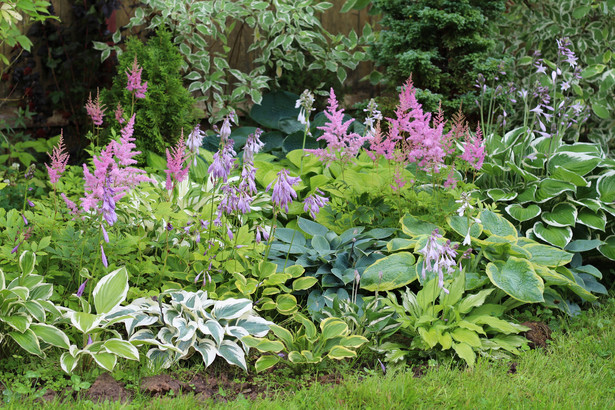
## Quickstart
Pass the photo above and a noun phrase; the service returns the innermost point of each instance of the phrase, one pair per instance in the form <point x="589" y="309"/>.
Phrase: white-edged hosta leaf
<point x="110" y="291"/>
<point x="606" y="186"/>
<point x="51" y="335"/>
<point x="161" y="359"/>
<point x="594" y="220"/>
<point x="19" y="321"/>
<point x="562" y="214"/>
<point x="550" y="188"/>
<point x="564" y="174"/>
<point x="207" y="349"/>
<point x="553" y="235"/>
<point x="213" y="328"/>
<point x="528" y="195"/>
<point x="28" y="341"/>
<point x="607" y="249"/>
<point x="68" y="362"/>
<point x="27" y="262"/>
<point x="36" y="310"/>
<point x="122" y="348"/>
<point x="497" y="194"/>
<point x="591" y="203"/>
<point x="577" y="162"/>
<point x="233" y="354"/>
<point x="254" y="325"/>
<point x="231" y="308"/>
<point x="84" y="322"/>
<point x="522" y="214"/>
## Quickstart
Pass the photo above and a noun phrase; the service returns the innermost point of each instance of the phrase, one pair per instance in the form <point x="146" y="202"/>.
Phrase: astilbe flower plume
<point x="59" y="159"/>
<point x="175" y="160"/>
<point x="283" y="192"/>
<point x="112" y="171"/>
<point x="95" y="109"/>
<point x="134" y="80"/>
<point x="474" y="150"/>
<point x="341" y="145"/>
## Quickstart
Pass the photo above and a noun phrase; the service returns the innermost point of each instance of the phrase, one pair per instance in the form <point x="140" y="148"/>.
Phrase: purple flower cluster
<point x="439" y="258"/>
<point x="314" y="202"/>
<point x="283" y="192"/>
<point x="134" y="80"/>
<point x="95" y="109"/>
<point x="223" y="163"/>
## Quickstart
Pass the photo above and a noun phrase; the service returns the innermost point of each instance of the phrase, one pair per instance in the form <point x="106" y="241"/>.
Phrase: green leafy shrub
<point x="167" y="108"/>
<point x="443" y="44"/>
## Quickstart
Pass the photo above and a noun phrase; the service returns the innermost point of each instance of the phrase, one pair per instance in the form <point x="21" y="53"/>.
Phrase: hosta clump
<point x="191" y="322"/>
<point x="337" y="261"/>
<point x="26" y="311"/>
<point x="307" y="346"/>
<point x="466" y="324"/>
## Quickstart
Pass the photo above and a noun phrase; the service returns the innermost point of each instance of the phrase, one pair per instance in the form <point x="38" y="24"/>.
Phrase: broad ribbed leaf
<point x="564" y="174"/>
<point x="311" y="228"/>
<point x="415" y="227"/>
<point x="556" y="236"/>
<point x="110" y="291"/>
<point x="562" y="214"/>
<point x="27" y="261"/>
<point x="608" y="248"/>
<point x="105" y="360"/>
<point x="517" y="278"/>
<point x="578" y="162"/>
<point x="522" y="214"/>
<point x="207" y="349"/>
<point x="594" y="220"/>
<point x="391" y="272"/>
<point x="459" y="224"/>
<point x="233" y="354"/>
<point x="495" y="224"/>
<point x="550" y="188"/>
<point x="547" y="255"/>
<point x="340" y="352"/>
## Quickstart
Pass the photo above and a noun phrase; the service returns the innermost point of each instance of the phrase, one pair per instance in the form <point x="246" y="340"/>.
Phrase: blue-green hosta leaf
<point x="606" y="186"/>
<point x="583" y="245"/>
<point x="550" y="188"/>
<point x="608" y="248"/>
<point x="562" y="214"/>
<point x="321" y="245"/>
<point x="522" y="214"/>
<point x="578" y="162"/>
<point x="28" y="341"/>
<point x="459" y="224"/>
<point x="231" y="308"/>
<point x="110" y="290"/>
<point x="207" y="349"/>
<point x="495" y="224"/>
<point x="545" y="254"/>
<point x="592" y="285"/>
<point x="311" y="228"/>
<point x="517" y="278"/>
<point x="122" y="348"/>
<point x="564" y="174"/>
<point x="594" y="220"/>
<point x="552" y="277"/>
<point x="497" y="194"/>
<point x="391" y="272"/>
<point x="556" y="236"/>
<point x="233" y="354"/>
<point x="528" y="195"/>
<point x="51" y="335"/>
<point x="415" y="227"/>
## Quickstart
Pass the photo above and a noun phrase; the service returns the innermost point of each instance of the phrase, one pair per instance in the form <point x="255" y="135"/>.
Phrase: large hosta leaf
<point x="545" y="254"/>
<point x="389" y="273"/>
<point x="562" y="214"/>
<point x="578" y="162"/>
<point x="550" y="188"/>
<point x="517" y="278"/>
<point x="564" y="174"/>
<point x="556" y="236"/>
<point x="606" y="186"/>
<point x="415" y="227"/>
<point x="522" y="214"/>
<point x="460" y="225"/>
<point x="495" y="224"/>
<point x="608" y="248"/>
<point x="110" y="291"/>
<point x="594" y="220"/>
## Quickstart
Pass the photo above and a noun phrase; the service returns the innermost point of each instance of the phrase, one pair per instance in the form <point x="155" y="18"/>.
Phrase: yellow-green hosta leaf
<point x="263" y="345"/>
<point x="517" y="278"/>
<point x="429" y="336"/>
<point x="465" y="351"/>
<point x="286" y="304"/>
<point x="311" y="333"/>
<point x="388" y="273"/>
<point x="333" y="327"/>
<point x="445" y="340"/>
<point x="415" y="227"/>
<point x="266" y="362"/>
<point x="304" y="283"/>
<point x="562" y="214"/>
<point x="495" y="224"/>
<point x="341" y="352"/>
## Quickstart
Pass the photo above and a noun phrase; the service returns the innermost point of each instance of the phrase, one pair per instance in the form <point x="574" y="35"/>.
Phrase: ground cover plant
<point x="290" y="243"/>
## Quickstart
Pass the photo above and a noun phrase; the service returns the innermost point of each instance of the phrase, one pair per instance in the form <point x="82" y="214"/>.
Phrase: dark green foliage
<point x="167" y="107"/>
<point x="443" y="44"/>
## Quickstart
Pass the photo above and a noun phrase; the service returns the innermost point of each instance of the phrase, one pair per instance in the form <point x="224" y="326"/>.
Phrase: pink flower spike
<point x="119" y="114"/>
<point x="59" y="159"/>
<point x="134" y="80"/>
<point x="474" y="150"/>
<point x="95" y="109"/>
<point x="175" y="160"/>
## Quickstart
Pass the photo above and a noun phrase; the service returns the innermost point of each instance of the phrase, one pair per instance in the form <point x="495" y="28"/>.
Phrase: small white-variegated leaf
<point x="254" y="325"/>
<point x="161" y="359"/>
<point x="233" y="354"/>
<point x="84" y="322"/>
<point x="122" y="348"/>
<point x="213" y="328"/>
<point x="110" y="291"/>
<point x="207" y="349"/>
<point x="236" y="331"/>
<point x="231" y="308"/>
<point x="68" y="362"/>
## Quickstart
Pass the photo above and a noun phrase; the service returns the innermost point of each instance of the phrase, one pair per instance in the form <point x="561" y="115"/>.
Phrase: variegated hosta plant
<point x="561" y="194"/>
<point x="191" y="322"/>
<point x="26" y="312"/>
<point x="99" y="340"/>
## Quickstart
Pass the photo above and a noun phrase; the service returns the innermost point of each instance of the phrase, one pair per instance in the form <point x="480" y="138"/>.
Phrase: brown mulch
<point x="538" y="334"/>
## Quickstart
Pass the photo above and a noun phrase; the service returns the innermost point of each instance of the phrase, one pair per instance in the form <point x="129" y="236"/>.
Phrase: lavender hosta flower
<point x="439" y="258"/>
<point x="95" y="109"/>
<point x="59" y="159"/>
<point x="103" y="256"/>
<point x="105" y="234"/>
<point x="90" y="340"/>
<point x="261" y="234"/>
<point x="25" y="221"/>
<point x="81" y="288"/>
<point x="15" y="248"/>
<point x="229" y="232"/>
<point x="225" y="129"/>
<point x="31" y="203"/>
<point x="253" y="146"/>
<point x="314" y="202"/>
<point x="195" y="140"/>
<point x="283" y="192"/>
<point x="247" y="183"/>
<point x="223" y="162"/>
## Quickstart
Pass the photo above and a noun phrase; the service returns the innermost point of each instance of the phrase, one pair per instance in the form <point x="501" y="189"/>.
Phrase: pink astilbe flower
<point x="175" y="160"/>
<point x="314" y="202"/>
<point x="283" y="192"/>
<point x="95" y="109"/>
<point x="474" y="150"/>
<point x="341" y="146"/>
<point x="72" y="207"/>
<point x="134" y="80"/>
<point x="111" y="169"/>
<point x="59" y="159"/>
<point x="119" y="114"/>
